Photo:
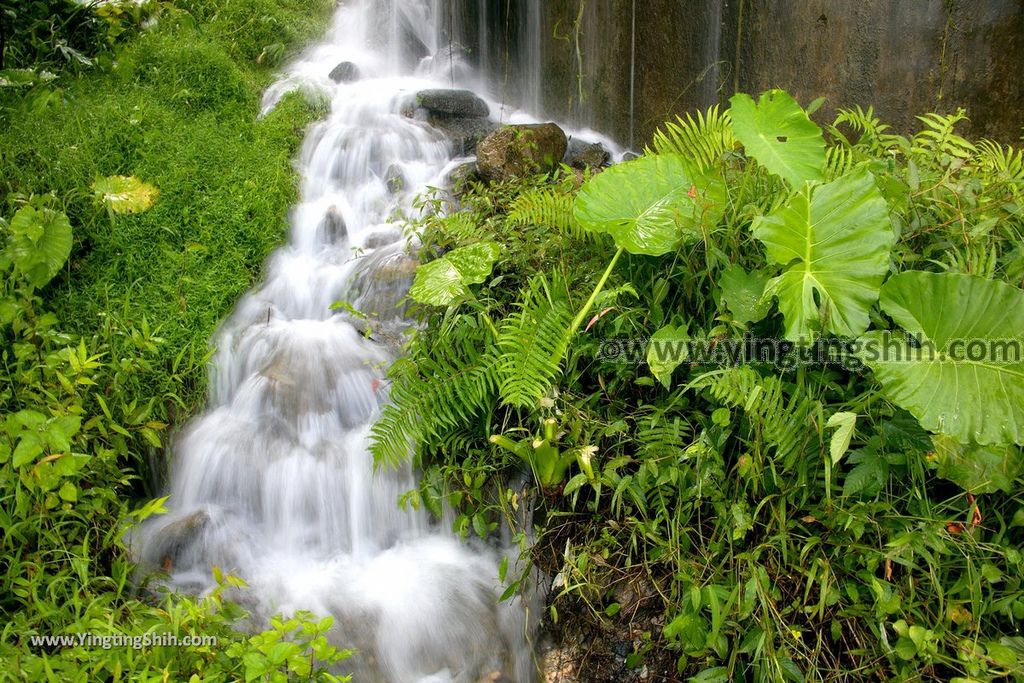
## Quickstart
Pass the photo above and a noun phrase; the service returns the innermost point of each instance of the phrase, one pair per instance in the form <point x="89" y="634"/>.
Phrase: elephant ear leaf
<point x="666" y="351"/>
<point x="651" y="204"/>
<point x="978" y="469"/>
<point x="964" y="376"/>
<point x="743" y="294"/>
<point x="446" y="280"/>
<point x="125" y="194"/>
<point x="778" y="133"/>
<point x="834" y="241"/>
<point x="40" y="242"/>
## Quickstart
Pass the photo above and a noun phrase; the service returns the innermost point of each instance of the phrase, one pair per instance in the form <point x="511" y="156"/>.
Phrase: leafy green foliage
<point x="835" y="241"/>
<point x="545" y="207"/>
<point x="743" y="294"/>
<point x="752" y="517"/>
<point x="778" y="133"/>
<point x="99" y="363"/>
<point x="979" y="469"/>
<point x="946" y="386"/>
<point x="665" y="352"/>
<point x="446" y="280"/>
<point x="649" y="205"/>
<point x="39" y="242"/>
<point x="706" y="138"/>
<point x="532" y="342"/>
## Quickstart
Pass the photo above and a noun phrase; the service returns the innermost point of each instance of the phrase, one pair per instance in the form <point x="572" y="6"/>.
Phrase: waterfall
<point x="274" y="482"/>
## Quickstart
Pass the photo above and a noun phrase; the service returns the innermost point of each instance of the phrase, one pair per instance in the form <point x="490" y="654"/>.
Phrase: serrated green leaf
<point x="650" y="204"/>
<point x="446" y="280"/>
<point x="867" y="478"/>
<point x="834" y="241"/>
<point x="778" y="133"/>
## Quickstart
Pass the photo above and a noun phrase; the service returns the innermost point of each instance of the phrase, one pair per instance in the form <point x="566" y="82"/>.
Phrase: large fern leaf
<point x="785" y="423"/>
<point x="872" y="133"/>
<point x="706" y="138"/>
<point x="548" y="208"/>
<point x="432" y="397"/>
<point x="939" y="136"/>
<point x="1004" y="162"/>
<point x="532" y="343"/>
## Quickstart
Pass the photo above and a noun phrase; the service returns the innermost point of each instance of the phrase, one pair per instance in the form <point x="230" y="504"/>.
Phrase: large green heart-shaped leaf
<point x="743" y="294"/>
<point x="965" y="378"/>
<point x="978" y="469"/>
<point x="778" y="133"/>
<point x="650" y="204"/>
<point x="834" y="240"/>
<point x="666" y="351"/>
<point x="40" y="242"/>
<point x="446" y="280"/>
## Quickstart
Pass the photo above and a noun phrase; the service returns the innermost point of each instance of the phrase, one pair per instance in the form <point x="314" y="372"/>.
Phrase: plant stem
<point x="593" y="295"/>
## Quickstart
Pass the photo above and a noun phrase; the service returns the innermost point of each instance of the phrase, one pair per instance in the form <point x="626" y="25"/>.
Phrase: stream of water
<point x="274" y="482"/>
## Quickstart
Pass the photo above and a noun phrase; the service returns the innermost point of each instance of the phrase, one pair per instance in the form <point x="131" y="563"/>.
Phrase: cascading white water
<point x="274" y="483"/>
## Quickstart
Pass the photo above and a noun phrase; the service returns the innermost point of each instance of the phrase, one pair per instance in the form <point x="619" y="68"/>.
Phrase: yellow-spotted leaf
<point x="125" y="194"/>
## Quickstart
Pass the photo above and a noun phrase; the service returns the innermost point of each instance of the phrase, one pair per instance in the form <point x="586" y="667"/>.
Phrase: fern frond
<point x="939" y="136"/>
<point x="549" y="208"/>
<point x="661" y="436"/>
<point x="864" y="122"/>
<point x="839" y="159"/>
<point x="532" y="343"/>
<point x="706" y="139"/>
<point x="785" y="423"/>
<point x="458" y="227"/>
<point x="1002" y="160"/>
<point x="433" y="397"/>
<point x="873" y="133"/>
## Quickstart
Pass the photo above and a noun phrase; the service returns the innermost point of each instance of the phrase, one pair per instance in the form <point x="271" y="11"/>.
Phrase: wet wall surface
<point x="666" y="57"/>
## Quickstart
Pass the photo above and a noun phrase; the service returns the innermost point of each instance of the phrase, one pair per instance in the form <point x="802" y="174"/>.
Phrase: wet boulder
<point x="394" y="178"/>
<point x="332" y="229"/>
<point x="346" y="72"/>
<point x="172" y="542"/>
<point x="462" y="175"/>
<point x="464" y="133"/>
<point x="382" y="238"/>
<point x="455" y="103"/>
<point x="582" y="154"/>
<point x="521" y="150"/>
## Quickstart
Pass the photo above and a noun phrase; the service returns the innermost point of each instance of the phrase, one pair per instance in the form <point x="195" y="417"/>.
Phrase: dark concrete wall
<point x="904" y="57"/>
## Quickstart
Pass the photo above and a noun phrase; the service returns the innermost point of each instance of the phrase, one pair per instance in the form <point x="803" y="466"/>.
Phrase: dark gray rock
<point x="346" y="72"/>
<point x="465" y="133"/>
<point x="382" y="238"/>
<point x="332" y="229"/>
<point x="171" y="542"/>
<point x="629" y="156"/>
<point x="394" y="178"/>
<point x="582" y="154"/>
<point x="521" y="150"/>
<point x="462" y="174"/>
<point x="460" y="103"/>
